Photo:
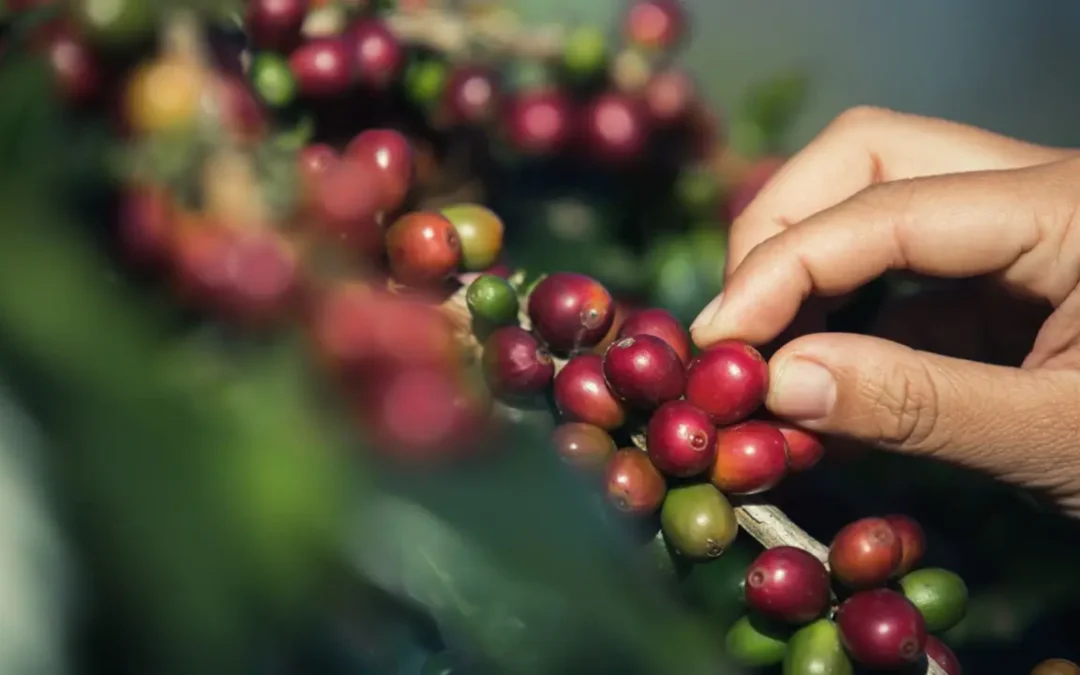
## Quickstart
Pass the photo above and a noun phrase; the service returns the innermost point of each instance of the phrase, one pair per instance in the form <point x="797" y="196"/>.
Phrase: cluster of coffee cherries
<point x="537" y="107"/>
<point x="872" y="605"/>
<point x="637" y="380"/>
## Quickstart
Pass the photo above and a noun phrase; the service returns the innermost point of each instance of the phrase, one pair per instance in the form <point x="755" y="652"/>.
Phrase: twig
<point x="763" y="521"/>
<point x="454" y="34"/>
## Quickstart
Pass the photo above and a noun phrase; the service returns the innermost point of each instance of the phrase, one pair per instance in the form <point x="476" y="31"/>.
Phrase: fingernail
<point x="802" y="390"/>
<point x="707" y="314"/>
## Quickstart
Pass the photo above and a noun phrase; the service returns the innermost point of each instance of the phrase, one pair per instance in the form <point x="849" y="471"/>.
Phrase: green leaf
<point x="773" y="106"/>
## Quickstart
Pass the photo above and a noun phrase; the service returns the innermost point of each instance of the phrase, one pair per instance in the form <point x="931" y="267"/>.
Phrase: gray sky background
<point x="1009" y="65"/>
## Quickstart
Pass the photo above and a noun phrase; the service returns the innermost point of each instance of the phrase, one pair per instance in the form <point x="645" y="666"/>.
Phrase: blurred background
<point x="999" y="64"/>
<point x="179" y="494"/>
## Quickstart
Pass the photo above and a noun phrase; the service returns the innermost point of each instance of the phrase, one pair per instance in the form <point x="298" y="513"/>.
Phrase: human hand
<point x="881" y="191"/>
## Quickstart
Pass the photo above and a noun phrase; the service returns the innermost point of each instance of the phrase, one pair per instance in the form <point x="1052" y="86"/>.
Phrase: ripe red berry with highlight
<point x="669" y="97"/>
<point x="75" y="69"/>
<point x="912" y="541"/>
<point x="943" y="656"/>
<point x="615" y="128"/>
<point x="377" y="56"/>
<point x="681" y="439"/>
<point x="750" y="458"/>
<point x="583" y="446"/>
<point x="582" y="395"/>
<point x="804" y="447"/>
<point x="659" y="323"/>
<point x="865" y="553"/>
<point x="570" y="311"/>
<point x="881" y="629"/>
<point x="644" y="371"/>
<point x="728" y="380"/>
<point x="539" y="122"/>
<point x="322" y="67"/>
<point x="275" y="24"/>
<point x="472" y="95"/>
<point x="516" y="364"/>
<point x="655" y="24"/>
<point x="390" y="154"/>
<point x="314" y="160"/>
<point x="423" y="247"/>
<point x="343" y="210"/>
<point x="633" y="484"/>
<point x="787" y="584"/>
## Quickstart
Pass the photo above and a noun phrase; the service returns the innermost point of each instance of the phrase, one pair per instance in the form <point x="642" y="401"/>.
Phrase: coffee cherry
<point x="681" y="439"/>
<point x="662" y="324"/>
<point x="423" y="247"/>
<point x="570" y="311"/>
<point x="804" y="448"/>
<point x="343" y="210"/>
<point x="787" y="584"/>
<point x="472" y="95"/>
<point x="668" y="97"/>
<point x="314" y="160"/>
<point x="420" y="415"/>
<point x="377" y="56"/>
<point x="74" y="66"/>
<point x="583" y="446"/>
<point x="492" y="301"/>
<point x="481" y="234"/>
<point x="1056" y="667"/>
<point x="729" y="381"/>
<point x="199" y="256"/>
<point x="391" y="156"/>
<point x="944" y="657"/>
<point x="582" y="395"/>
<point x="815" y="650"/>
<point x="940" y="595"/>
<point x="655" y="24"/>
<point x="881" y="629"/>
<point x="262" y="275"/>
<point x="146" y="221"/>
<point x="163" y="95"/>
<point x="273" y="79"/>
<point x="755" y="643"/>
<point x="634" y="486"/>
<point x="358" y="330"/>
<point x="322" y="67"/>
<point x="750" y="458"/>
<point x="698" y="521"/>
<point x="585" y="52"/>
<point x="912" y="541"/>
<point x="644" y="371"/>
<point x="538" y="123"/>
<point x="238" y="108"/>
<point x="275" y="24"/>
<point x="614" y="128"/>
<point x="515" y="364"/>
<point x="865" y="553"/>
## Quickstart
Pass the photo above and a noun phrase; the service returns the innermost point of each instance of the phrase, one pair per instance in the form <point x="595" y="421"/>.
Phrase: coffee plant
<point x="375" y="183"/>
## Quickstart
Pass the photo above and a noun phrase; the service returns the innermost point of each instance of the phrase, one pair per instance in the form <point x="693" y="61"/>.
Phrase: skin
<point x="880" y="191"/>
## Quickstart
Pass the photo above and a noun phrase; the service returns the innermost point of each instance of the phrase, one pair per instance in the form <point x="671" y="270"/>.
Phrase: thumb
<point x="1020" y="425"/>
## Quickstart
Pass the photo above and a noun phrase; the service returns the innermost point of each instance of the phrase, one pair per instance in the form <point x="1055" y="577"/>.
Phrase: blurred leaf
<point x="517" y="562"/>
<point x="773" y="105"/>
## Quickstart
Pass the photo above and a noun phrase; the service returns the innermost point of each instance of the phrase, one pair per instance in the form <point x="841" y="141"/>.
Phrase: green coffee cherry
<point x="273" y="79"/>
<point x="698" y="521"/>
<point x="755" y="643"/>
<point x="940" y="595"/>
<point x="492" y="301"/>
<point x="816" y="650"/>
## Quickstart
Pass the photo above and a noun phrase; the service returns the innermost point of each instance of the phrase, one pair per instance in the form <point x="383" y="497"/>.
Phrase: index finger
<point x="863" y="147"/>
<point x="959" y="225"/>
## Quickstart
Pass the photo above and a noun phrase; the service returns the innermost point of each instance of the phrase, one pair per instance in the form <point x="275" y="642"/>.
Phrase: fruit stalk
<point x="763" y="521"/>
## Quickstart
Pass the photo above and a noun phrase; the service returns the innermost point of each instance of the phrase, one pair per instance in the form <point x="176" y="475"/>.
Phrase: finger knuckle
<point x="860" y="117"/>
<point x="903" y="406"/>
